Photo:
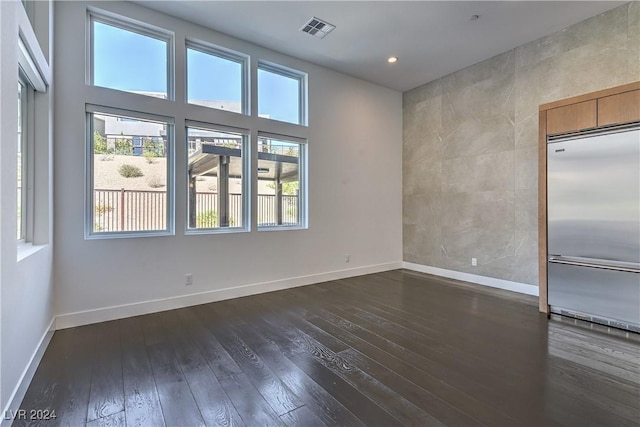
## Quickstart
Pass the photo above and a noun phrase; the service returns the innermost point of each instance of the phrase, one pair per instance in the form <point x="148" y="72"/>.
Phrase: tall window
<point x="215" y="79"/>
<point x="31" y="145"/>
<point x="130" y="58"/>
<point x="130" y="139"/>
<point x="216" y="168"/>
<point x="281" y="94"/>
<point x="281" y="186"/>
<point x="21" y="197"/>
<point x="130" y="164"/>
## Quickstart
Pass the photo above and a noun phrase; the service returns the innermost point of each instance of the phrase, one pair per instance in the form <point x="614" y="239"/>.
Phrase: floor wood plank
<point x="178" y="405"/>
<point x="315" y="398"/>
<point x="72" y="405"/>
<point x="107" y="391"/>
<point x="272" y="389"/>
<point x="215" y="407"/>
<point x="363" y="408"/>
<point x="301" y="417"/>
<point x="254" y="410"/>
<point x="142" y="404"/>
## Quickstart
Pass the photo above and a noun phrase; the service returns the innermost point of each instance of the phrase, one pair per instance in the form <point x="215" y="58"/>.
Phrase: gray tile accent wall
<point x="470" y="167"/>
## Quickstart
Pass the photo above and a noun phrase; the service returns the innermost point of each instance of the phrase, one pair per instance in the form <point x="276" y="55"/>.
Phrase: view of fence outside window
<point x="280" y="165"/>
<point x="215" y="178"/>
<point x="129" y="174"/>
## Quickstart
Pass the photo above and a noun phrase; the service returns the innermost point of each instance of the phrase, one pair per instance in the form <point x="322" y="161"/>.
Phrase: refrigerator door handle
<point x="558" y="260"/>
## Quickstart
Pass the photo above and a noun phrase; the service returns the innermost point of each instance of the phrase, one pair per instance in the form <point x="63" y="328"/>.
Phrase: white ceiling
<point x="430" y="38"/>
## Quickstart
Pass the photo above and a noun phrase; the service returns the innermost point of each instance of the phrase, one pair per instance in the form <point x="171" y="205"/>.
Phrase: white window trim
<point x="303" y="198"/>
<point x="128" y="24"/>
<point x="246" y="179"/>
<point x="29" y="68"/>
<point x="26" y="246"/>
<point x="301" y="77"/>
<point x="89" y="233"/>
<point x="26" y="116"/>
<point x="223" y="53"/>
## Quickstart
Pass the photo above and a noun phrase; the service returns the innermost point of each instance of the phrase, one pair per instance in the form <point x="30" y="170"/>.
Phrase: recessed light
<point x="392" y="59"/>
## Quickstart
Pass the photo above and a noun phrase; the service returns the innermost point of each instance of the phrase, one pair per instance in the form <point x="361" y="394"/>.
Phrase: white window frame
<point x="31" y="78"/>
<point x="134" y="26"/>
<point x="89" y="173"/>
<point x="302" y="79"/>
<point x="222" y="53"/>
<point x="303" y="199"/>
<point x="26" y="161"/>
<point x="246" y="178"/>
<point x="29" y="7"/>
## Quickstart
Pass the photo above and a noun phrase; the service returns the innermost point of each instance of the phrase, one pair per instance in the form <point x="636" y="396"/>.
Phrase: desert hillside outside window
<point x="130" y="58"/>
<point x="216" y="167"/>
<point x="130" y="173"/>
<point x="215" y="79"/>
<point x="281" y="94"/>
<point x="281" y="183"/>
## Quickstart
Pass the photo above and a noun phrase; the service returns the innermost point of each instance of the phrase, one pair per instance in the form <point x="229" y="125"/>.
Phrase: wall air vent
<point x="317" y="27"/>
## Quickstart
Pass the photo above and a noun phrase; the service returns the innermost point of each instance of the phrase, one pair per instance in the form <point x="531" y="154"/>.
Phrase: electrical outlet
<point x="474" y="262"/>
<point x="188" y="279"/>
<point x="347" y="258"/>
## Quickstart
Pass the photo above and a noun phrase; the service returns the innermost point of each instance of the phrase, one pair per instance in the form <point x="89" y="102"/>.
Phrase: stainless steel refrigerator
<point x="593" y="212"/>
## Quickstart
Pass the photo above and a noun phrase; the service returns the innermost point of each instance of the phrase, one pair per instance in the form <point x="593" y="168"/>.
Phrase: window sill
<point x="25" y="250"/>
<point x="283" y="228"/>
<point x="209" y="231"/>
<point x="127" y="235"/>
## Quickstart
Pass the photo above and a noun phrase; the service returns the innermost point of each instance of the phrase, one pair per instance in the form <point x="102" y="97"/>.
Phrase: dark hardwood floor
<point x="387" y="349"/>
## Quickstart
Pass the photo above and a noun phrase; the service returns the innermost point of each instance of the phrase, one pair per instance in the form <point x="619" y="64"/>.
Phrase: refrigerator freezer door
<point x="593" y="190"/>
<point x="601" y="293"/>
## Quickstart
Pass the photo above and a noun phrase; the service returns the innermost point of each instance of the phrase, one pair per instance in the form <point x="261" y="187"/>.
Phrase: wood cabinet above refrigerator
<point x="607" y="107"/>
<point x="621" y="108"/>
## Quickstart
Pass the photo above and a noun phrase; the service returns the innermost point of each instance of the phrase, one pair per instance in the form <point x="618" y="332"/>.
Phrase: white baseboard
<point x="508" y="285"/>
<point x="79" y="318"/>
<point x="13" y="404"/>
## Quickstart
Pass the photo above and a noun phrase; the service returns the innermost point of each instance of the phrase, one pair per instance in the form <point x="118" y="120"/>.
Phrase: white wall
<point x="26" y="285"/>
<point x="355" y="188"/>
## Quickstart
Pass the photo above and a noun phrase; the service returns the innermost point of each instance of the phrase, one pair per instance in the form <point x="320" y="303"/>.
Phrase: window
<point x="130" y="58"/>
<point x="130" y="154"/>
<point x="31" y="142"/>
<point x="130" y="167"/>
<point x="281" y="94"/>
<point x="21" y="198"/>
<point x="215" y="170"/>
<point x="281" y="186"/>
<point x="25" y="156"/>
<point x="215" y="79"/>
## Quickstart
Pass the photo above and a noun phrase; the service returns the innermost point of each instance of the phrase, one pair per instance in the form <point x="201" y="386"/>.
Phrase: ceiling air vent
<point x="317" y="27"/>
